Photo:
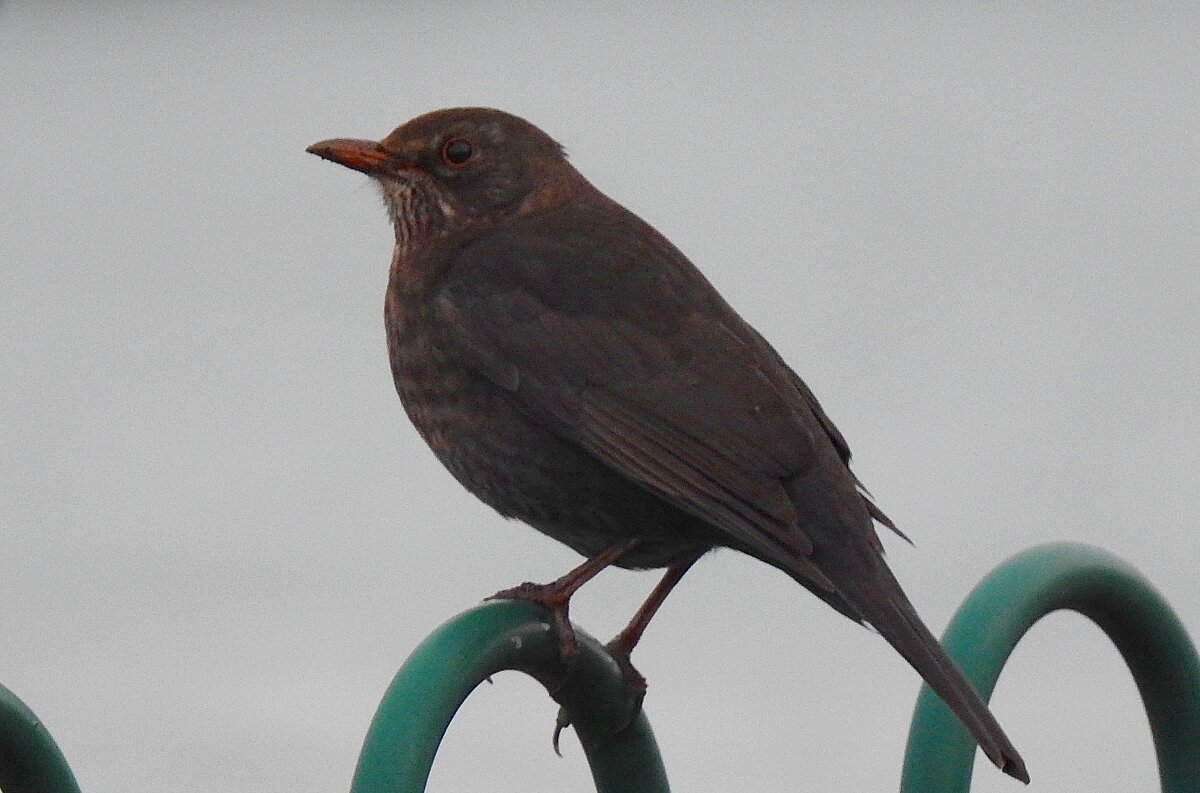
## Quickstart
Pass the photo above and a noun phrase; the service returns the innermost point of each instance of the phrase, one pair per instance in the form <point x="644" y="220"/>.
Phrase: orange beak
<point x="361" y="155"/>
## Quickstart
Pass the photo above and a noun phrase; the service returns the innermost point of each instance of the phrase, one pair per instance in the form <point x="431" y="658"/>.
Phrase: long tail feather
<point x="897" y="621"/>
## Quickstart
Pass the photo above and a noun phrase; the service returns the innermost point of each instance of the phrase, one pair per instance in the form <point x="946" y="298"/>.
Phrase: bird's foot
<point x="635" y="685"/>
<point x="552" y="597"/>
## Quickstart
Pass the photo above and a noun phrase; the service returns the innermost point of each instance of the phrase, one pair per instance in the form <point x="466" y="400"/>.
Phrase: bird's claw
<point x="635" y="686"/>
<point x="550" y="597"/>
<point x="561" y="722"/>
<point x="635" y="683"/>
<point x="525" y="591"/>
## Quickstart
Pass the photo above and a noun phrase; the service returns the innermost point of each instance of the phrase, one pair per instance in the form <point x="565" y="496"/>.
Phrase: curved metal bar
<point x="1008" y="602"/>
<point x="435" y="680"/>
<point x="30" y="760"/>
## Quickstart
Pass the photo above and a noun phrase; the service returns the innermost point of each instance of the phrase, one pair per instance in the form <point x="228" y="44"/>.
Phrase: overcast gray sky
<point x="974" y="233"/>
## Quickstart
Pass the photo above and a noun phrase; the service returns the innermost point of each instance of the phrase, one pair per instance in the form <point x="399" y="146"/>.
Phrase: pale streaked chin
<point x="415" y="205"/>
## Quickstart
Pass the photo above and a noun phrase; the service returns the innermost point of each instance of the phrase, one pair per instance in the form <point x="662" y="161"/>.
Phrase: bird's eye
<point x="457" y="151"/>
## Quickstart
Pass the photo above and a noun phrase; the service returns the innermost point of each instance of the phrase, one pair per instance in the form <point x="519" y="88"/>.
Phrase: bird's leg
<point x="556" y="595"/>
<point x="623" y="643"/>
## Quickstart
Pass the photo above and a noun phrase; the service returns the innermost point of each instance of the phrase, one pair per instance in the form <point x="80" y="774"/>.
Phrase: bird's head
<point x="453" y="168"/>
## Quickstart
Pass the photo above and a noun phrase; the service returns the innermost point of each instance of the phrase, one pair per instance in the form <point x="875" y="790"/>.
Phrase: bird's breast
<point x="433" y="386"/>
<point x="518" y="465"/>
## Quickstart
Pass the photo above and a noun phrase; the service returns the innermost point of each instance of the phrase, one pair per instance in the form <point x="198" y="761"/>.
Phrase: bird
<point x="575" y="371"/>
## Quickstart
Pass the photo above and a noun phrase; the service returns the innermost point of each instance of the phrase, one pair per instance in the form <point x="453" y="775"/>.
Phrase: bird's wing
<point x="624" y="348"/>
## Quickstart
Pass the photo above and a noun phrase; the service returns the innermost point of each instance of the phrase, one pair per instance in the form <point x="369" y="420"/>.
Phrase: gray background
<point x="973" y="232"/>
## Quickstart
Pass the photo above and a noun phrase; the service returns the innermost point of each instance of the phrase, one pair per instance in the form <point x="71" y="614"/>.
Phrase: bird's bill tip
<point x="361" y="155"/>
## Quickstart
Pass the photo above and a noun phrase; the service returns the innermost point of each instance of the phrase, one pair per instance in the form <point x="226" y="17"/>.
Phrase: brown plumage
<point x="574" y="370"/>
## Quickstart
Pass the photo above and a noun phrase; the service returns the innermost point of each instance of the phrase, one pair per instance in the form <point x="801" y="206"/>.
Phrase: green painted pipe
<point x="427" y="691"/>
<point x="1008" y="602"/>
<point x="30" y="760"/>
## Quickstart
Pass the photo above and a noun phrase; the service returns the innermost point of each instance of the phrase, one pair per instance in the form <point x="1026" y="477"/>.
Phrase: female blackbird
<point x="574" y="370"/>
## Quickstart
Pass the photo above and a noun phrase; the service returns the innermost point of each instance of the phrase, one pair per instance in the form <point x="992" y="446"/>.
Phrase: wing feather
<point x="638" y="360"/>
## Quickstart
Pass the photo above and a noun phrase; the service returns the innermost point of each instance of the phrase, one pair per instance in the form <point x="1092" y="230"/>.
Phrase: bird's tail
<point x="889" y="611"/>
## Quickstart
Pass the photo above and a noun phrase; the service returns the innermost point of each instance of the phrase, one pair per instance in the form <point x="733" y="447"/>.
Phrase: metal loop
<point x="30" y="760"/>
<point x="435" y="680"/>
<point x="1007" y="603"/>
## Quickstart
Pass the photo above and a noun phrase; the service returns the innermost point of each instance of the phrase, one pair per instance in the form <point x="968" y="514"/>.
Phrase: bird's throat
<point x="415" y="211"/>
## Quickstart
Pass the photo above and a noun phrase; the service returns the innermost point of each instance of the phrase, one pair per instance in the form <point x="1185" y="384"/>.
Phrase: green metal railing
<point x="1007" y="603"/>
<point x="438" y="676"/>
<point x="426" y="693"/>
<point x="30" y="760"/>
